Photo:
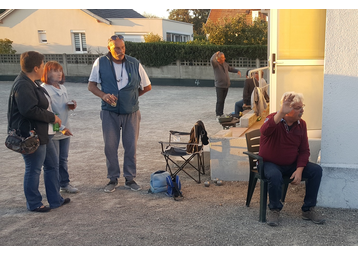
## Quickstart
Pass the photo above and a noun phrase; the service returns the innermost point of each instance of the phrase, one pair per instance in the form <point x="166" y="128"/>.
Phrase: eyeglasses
<point x="299" y="108"/>
<point x="115" y="37"/>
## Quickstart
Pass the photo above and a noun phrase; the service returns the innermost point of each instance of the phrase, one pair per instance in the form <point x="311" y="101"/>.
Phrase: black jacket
<point x="248" y="88"/>
<point x="28" y="105"/>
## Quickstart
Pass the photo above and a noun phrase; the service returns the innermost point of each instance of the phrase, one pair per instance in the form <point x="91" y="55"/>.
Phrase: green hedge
<point x="163" y="53"/>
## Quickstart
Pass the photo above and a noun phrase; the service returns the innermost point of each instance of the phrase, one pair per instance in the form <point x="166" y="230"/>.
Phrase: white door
<point x="296" y="54"/>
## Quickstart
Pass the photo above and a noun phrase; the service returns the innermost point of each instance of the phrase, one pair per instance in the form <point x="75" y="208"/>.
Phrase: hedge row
<point x="161" y="54"/>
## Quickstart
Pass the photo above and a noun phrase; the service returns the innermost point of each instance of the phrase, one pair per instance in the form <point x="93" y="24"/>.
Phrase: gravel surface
<point x="208" y="216"/>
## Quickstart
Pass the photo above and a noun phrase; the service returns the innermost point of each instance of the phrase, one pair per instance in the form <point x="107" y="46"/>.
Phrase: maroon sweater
<point x="282" y="147"/>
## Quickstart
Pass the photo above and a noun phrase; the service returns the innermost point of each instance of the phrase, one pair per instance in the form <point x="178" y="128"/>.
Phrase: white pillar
<point x="339" y="151"/>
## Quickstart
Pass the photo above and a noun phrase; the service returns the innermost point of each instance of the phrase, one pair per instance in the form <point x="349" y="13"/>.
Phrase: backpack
<point x="158" y="181"/>
<point x="174" y="187"/>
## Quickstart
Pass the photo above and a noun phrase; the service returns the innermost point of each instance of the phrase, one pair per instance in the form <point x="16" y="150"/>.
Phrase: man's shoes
<point x="111" y="186"/>
<point x="313" y="215"/>
<point x="42" y="209"/>
<point x="69" y="189"/>
<point x="217" y="118"/>
<point x="272" y="217"/>
<point x="132" y="185"/>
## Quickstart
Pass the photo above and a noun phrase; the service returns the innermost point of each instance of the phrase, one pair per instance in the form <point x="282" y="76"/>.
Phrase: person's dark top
<point x="283" y="145"/>
<point x="29" y="104"/>
<point x="248" y="88"/>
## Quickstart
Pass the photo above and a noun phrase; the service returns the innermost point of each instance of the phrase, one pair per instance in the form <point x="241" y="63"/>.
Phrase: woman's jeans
<point x="221" y="94"/>
<point x="44" y="155"/>
<point x="274" y="173"/>
<point x="62" y="148"/>
<point x="113" y="125"/>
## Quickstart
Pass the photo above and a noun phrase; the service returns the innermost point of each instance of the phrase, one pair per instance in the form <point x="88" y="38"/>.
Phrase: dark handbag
<point x="22" y="145"/>
<point x="17" y="143"/>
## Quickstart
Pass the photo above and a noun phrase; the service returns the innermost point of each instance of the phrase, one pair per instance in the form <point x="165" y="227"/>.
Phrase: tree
<point x="149" y="15"/>
<point x="182" y="15"/>
<point x="6" y="46"/>
<point x="235" y="31"/>
<point x="148" y="38"/>
<point x="197" y="17"/>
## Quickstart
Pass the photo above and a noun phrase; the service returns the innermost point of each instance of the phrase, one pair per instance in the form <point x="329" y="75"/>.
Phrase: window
<point x="42" y="36"/>
<point x="132" y="37"/>
<point x="174" y="37"/>
<point x="80" y="42"/>
<point x="255" y="15"/>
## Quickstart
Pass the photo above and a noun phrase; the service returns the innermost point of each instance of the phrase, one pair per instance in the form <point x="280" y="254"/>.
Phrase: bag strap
<point x="254" y="81"/>
<point x="11" y="105"/>
<point x="175" y="186"/>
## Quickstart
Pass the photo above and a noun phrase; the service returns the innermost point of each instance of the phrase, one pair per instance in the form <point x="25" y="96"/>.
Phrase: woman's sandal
<point x="42" y="209"/>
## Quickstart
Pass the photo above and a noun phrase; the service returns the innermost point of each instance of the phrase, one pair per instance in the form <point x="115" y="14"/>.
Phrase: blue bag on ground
<point x="158" y="181"/>
<point x="174" y="187"/>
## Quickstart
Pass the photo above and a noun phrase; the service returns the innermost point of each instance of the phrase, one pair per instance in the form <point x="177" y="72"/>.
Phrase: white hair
<point x="297" y="99"/>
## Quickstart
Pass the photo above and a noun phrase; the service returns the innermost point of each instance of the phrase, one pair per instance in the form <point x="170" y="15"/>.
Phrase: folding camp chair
<point x="257" y="172"/>
<point x="187" y="151"/>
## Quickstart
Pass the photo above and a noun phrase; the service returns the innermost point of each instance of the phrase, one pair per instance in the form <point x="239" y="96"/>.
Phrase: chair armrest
<point x="178" y="143"/>
<point x="178" y="132"/>
<point x="253" y="155"/>
<point x="260" y="165"/>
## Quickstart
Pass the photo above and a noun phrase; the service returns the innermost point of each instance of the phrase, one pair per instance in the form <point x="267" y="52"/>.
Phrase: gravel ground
<point x="208" y="216"/>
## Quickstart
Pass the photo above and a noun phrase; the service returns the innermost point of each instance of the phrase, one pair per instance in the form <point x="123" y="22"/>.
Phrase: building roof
<point x="116" y="13"/>
<point x="100" y="14"/>
<point x="216" y="15"/>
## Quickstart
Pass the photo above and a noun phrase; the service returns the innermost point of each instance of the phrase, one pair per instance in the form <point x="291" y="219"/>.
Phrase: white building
<point x="83" y="30"/>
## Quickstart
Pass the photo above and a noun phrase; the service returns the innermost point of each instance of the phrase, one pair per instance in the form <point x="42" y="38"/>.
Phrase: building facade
<point x="82" y="31"/>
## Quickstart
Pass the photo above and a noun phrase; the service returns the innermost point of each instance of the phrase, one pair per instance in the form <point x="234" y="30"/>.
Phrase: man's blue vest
<point x="128" y="96"/>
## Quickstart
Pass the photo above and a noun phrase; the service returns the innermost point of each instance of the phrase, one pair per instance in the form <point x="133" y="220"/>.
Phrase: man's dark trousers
<point x="221" y="94"/>
<point x="274" y="173"/>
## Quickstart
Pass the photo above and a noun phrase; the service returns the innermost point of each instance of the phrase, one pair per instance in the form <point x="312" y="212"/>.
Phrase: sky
<point x="159" y="7"/>
<point x="161" y="13"/>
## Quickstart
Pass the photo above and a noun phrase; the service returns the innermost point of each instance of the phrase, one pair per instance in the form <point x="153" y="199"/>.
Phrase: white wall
<point x="339" y="159"/>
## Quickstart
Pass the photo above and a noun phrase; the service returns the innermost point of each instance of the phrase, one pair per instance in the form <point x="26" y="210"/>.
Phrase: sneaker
<point x="218" y="117"/>
<point x="272" y="217"/>
<point x="132" y="185"/>
<point x="111" y="186"/>
<point x="69" y="189"/>
<point x="313" y="215"/>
